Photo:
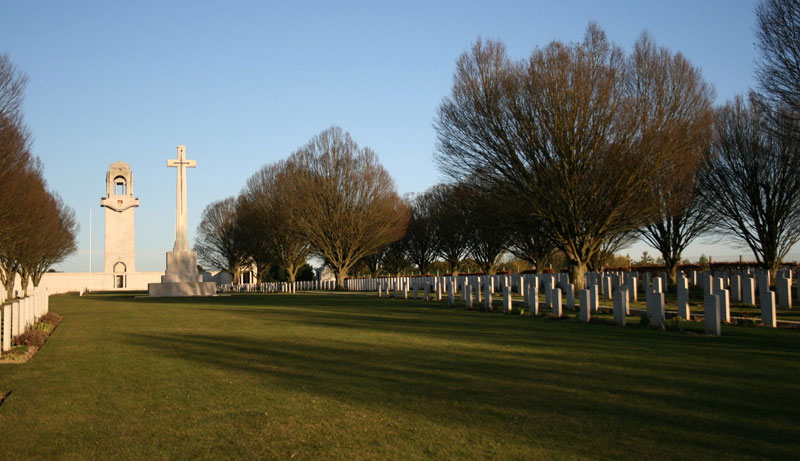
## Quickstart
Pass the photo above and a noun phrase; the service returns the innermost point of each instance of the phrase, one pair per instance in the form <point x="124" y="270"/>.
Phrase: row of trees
<point x="330" y="199"/>
<point x="464" y="229"/>
<point x="598" y="146"/>
<point x="333" y="201"/>
<point x="37" y="229"/>
<point x="595" y="145"/>
<point x="578" y="149"/>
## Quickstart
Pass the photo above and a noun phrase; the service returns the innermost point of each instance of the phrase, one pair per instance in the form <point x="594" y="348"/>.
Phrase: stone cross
<point x="181" y="240"/>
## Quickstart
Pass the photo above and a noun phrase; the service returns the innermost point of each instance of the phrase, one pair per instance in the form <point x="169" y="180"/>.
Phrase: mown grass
<point x="351" y="376"/>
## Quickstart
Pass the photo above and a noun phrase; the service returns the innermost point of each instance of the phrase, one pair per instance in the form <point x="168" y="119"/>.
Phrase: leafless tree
<point x="532" y="243"/>
<point x="565" y="129"/>
<point x="751" y="182"/>
<point x="609" y="249"/>
<point x="15" y="154"/>
<point x="37" y="229"/>
<point x="677" y="105"/>
<point x="488" y="228"/>
<point x="23" y="212"/>
<point x="249" y="229"/>
<point x="395" y="260"/>
<point x="373" y="263"/>
<point x="12" y="90"/>
<point x="217" y="245"/>
<point x="419" y="242"/>
<point x="529" y="238"/>
<point x="350" y="207"/>
<point x="270" y="193"/>
<point x="15" y="161"/>
<point x="51" y="240"/>
<point x="778" y="33"/>
<point x="450" y="225"/>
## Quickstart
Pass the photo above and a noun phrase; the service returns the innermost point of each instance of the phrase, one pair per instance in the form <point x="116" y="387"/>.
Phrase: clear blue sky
<point x="242" y="84"/>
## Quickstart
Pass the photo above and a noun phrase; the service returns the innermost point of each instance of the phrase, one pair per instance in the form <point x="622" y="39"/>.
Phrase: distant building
<point x="324" y="273"/>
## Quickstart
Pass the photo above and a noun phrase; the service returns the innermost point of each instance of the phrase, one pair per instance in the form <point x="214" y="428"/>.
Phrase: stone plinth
<point x="179" y="289"/>
<point x="181" y="267"/>
<point x="181" y="278"/>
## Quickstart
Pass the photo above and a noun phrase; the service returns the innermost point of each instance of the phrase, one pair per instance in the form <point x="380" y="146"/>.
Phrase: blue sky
<point x="242" y="84"/>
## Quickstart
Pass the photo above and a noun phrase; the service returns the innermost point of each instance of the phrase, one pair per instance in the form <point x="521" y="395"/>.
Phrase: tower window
<point x="120" y="186"/>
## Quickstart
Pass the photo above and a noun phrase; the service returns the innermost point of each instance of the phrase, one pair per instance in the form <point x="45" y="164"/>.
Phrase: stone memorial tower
<point x="119" y="202"/>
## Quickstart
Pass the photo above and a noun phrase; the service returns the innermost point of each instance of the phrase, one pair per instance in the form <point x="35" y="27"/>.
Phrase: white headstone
<point x="584" y="314"/>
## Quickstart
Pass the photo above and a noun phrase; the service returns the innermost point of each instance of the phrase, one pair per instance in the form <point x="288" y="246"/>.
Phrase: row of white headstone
<point x="742" y="285"/>
<point x="278" y="287"/>
<point x="620" y="287"/>
<point x="20" y="314"/>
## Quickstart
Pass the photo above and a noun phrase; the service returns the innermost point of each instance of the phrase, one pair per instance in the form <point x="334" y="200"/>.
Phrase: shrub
<point x="51" y="317"/>
<point x="31" y="337"/>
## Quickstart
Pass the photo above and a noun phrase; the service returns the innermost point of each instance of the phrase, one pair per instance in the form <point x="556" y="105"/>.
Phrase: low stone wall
<point x="65" y="282"/>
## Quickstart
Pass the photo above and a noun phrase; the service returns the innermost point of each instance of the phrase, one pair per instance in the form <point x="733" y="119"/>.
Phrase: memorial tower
<point x="119" y="202"/>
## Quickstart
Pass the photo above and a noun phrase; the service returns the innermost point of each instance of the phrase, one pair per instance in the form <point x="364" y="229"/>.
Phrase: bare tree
<point x="374" y="263"/>
<point x="677" y="108"/>
<point x="12" y="90"/>
<point x="565" y="129"/>
<point x="15" y="161"/>
<point x="15" y="155"/>
<point x="778" y="33"/>
<point x="450" y="225"/>
<point x="26" y="208"/>
<point x="488" y="231"/>
<point x="395" y="261"/>
<point x="532" y="243"/>
<point x="350" y="207"/>
<point x="249" y="233"/>
<point x="751" y="182"/>
<point x="609" y="249"/>
<point x="529" y="238"/>
<point x="51" y="240"/>
<point x="271" y="197"/>
<point x="37" y="229"/>
<point x="419" y="242"/>
<point x="217" y="245"/>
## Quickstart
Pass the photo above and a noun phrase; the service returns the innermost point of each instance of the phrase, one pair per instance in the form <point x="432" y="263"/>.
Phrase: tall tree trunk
<point x="263" y="272"/>
<point x="453" y="263"/>
<point x="9" y="285"/>
<point x="36" y="278"/>
<point x="774" y="266"/>
<point x="291" y="272"/>
<point x="341" y="274"/>
<point x="577" y="273"/>
<point x="671" y="263"/>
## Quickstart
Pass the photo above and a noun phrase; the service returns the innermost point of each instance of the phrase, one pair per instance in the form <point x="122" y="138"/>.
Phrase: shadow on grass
<point x="336" y="310"/>
<point x="590" y="389"/>
<point x="486" y="387"/>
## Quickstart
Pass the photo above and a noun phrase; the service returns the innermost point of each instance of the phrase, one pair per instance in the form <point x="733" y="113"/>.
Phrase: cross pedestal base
<point x="181" y="278"/>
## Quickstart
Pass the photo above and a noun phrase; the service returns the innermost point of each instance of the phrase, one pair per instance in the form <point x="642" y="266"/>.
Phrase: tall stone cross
<point x="181" y="240"/>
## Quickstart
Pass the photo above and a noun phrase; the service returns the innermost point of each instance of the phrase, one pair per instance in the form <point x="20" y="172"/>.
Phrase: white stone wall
<point x="65" y="282"/>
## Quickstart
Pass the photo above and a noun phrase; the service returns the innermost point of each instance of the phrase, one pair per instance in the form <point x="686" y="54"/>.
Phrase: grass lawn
<point x="352" y="376"/>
